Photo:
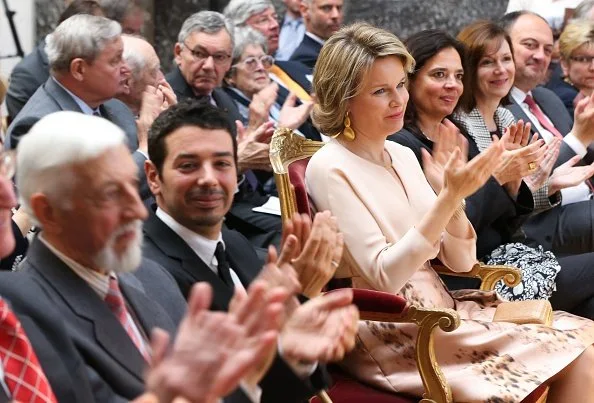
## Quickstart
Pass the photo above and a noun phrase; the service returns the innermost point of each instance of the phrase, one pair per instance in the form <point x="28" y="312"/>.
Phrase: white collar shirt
<point x="86" y="109"/>
<point x="203" y="247"/>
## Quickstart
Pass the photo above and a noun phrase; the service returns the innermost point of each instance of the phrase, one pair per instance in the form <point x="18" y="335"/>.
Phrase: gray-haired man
<point x="87" y="71"/>
<point x="203" y="56"/>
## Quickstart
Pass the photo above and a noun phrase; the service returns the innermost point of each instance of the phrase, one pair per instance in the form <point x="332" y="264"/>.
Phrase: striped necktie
<point x="115" y="302"/>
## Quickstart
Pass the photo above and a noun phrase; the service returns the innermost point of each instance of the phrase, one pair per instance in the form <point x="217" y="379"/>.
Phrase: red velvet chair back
<point x="297" y="178"/>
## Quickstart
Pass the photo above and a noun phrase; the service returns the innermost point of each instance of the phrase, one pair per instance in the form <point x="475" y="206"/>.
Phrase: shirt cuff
<point x="575" y="145"/>
<point x="575" y="194"/>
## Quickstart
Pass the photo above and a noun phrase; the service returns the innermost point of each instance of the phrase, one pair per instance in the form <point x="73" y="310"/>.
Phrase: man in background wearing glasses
<point x="203" y="57"/>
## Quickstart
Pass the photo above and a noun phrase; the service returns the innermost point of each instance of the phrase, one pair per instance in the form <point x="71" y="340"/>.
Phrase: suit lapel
<point x="519" y="113"/>
<point x="180" y="86"/>
<point x="243" y="264"/>
<point x="176" y="248"/>
<point x="62" y="98"/>
<point x="86" y="304"/>
<point x="148" y="313"/>
<point x="550" y="110"/>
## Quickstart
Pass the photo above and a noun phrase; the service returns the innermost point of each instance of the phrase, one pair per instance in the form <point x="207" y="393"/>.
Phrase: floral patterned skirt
<point x="481" y="360"/>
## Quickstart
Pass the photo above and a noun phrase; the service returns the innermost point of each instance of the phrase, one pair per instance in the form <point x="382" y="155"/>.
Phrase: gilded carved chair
<point x="289" y="155"/>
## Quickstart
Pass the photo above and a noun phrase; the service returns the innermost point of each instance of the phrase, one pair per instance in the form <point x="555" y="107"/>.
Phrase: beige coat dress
<point x="377" y="209"/>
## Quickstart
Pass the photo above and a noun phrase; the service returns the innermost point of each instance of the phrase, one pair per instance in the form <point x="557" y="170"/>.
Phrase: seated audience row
<point x="497" y="157"/>
<point x="389" y="241"/>
<point x="87" y="261"/>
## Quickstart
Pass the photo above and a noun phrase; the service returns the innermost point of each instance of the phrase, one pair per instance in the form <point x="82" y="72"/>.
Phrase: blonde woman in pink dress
<point x="394" y="224"/>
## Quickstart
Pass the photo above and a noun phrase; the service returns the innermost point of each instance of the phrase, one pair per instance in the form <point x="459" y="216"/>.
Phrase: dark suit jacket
<point x="184" y="91"/>
<point x="50" y="97"/>
<point x="495" y="216"/>
<point x="28" y="75"/>
<point x="298" y="72"/>
<point x="307" y="52"/>
<point x="164" y="246"/>
<point x="540" y="228"/>
<point x="61" y="363"/>
<point x="565" y="91"/>
<point x="109" y="353"/>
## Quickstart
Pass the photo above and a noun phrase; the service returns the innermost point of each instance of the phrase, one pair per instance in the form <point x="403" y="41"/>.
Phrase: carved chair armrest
<point x="386" y="307"/>
<point x="488" y="274"/>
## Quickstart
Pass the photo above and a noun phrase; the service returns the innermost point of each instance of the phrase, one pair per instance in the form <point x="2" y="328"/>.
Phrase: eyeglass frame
<point x="197" y="58"/>
<point x="259" y="60"/>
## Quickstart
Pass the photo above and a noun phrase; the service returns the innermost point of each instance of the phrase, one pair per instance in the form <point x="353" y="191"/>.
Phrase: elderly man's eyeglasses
<point x="251" y="63"/>
<point x="582" y="59"/>
<point x="7" y="163"/>
<point x="201" y="55"/>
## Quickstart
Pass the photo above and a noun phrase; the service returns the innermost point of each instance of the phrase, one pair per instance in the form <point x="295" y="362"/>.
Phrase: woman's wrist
<point x="449" y="199"/>
<point x="460" y="210"/>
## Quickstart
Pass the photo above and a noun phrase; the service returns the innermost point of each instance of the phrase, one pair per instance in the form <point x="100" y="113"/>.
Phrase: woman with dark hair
<point x="495" y="213"/>
<point x="436" y="86"/>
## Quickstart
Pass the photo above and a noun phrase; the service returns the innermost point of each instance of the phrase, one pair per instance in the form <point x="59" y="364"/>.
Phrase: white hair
<point x="80" y="36"/>
<point x="239" y="11"/>
<point x="244" y="37"/>
<point x="134" y="57"/>
<point x="130" y="258"/>
<point x="47" y="153"/>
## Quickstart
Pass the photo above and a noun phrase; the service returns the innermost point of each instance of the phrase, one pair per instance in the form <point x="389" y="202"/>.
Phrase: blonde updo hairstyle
<point x="343" y="63"/>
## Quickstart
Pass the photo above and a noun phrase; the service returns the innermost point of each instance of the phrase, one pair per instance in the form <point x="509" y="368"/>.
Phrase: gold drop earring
<point x="347" y="132"/>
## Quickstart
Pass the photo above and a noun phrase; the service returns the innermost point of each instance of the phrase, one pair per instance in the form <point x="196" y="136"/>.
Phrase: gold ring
<point x="531" y="166"/>
<point x="335" y="264"/>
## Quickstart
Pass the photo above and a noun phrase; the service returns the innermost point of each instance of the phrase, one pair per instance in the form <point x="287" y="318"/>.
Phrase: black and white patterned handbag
<point x="539" y="270"/>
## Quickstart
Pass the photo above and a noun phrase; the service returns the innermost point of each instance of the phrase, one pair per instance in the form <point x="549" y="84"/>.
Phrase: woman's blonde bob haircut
<point x="342" y="65"/>
<point x="575" y="34"/>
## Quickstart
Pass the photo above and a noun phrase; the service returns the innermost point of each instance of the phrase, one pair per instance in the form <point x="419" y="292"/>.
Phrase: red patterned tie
<point x="23" y="374"/>
<point x="115" y="302"/>
<point x="542" y="119"/>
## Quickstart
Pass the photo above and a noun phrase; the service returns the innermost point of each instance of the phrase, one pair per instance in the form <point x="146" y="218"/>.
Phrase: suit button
<point x="548" y="238"/>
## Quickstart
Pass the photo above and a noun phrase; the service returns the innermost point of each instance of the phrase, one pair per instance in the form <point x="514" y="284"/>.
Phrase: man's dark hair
<point x="90" y="7"/>
<point x="186" y="113"/>
<point x="508" y="20"/>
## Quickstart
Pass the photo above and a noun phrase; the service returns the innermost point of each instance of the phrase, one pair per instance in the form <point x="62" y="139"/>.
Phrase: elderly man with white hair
<point x="87" y="71"/>
<point x="78" y="182"/>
